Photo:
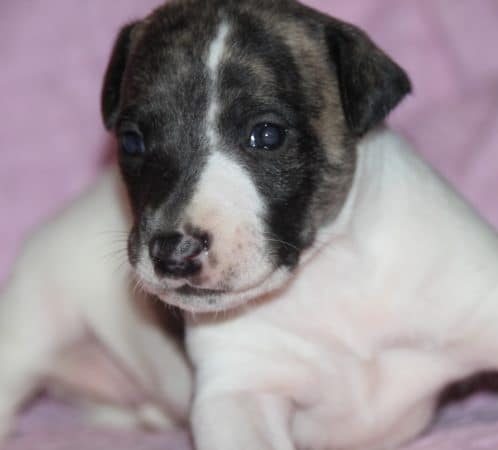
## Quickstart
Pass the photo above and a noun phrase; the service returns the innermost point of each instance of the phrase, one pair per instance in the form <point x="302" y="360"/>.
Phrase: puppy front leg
<point x="31" y="333"/>
<point x="242" y="421"/>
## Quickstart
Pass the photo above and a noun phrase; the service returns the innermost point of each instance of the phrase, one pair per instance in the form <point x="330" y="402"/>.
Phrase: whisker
<point x="138" y="287"/>
<point x="270" y="238"/>
<point x="116" y="252"/>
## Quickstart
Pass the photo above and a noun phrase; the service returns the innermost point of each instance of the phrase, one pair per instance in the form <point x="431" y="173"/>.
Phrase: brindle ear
<point x="371" y="83"/>
<point x="111" y="90"/>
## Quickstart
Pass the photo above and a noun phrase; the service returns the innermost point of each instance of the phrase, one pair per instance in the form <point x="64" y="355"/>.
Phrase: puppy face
<point x="237" y="122"/>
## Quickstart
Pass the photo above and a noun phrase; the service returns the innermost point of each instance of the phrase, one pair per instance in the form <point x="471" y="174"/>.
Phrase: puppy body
<point x="396" y="300"/>
<point x="350" y="354"/>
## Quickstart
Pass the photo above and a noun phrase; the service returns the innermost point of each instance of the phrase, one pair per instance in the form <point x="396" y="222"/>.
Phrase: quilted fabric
<point x="52" y="145"/>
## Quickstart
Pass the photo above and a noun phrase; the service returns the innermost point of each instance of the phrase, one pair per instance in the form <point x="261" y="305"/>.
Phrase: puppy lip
<point x="211" y="300"/>
<point x="190" y="290"/>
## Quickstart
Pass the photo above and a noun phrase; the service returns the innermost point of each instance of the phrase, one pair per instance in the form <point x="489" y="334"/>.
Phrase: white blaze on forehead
<point x="216" y="52"/>
<point x="226" y="196"/>
<point x="217" y="49"/>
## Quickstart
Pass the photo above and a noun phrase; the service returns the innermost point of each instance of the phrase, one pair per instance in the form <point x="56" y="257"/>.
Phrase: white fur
<point x="217" y="49"/>
<point x="399" y="298"/>
<point x="216" y="53"/>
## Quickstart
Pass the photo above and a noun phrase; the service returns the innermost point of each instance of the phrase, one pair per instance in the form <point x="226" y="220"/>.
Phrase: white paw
<point x="155" y="419"/>
<point x="146" y="416"/>
<point x="110" y="416"/>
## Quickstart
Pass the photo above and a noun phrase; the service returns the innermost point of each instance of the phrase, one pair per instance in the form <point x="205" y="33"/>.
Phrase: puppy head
<point x="237" y="122"/>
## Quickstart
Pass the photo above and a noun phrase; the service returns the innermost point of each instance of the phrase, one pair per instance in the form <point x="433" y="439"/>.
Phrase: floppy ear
<point x="111" y="90"/>
<point x="371" y="83"/>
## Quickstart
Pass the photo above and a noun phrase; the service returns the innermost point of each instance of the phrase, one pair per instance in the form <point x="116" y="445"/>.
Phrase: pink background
<point x="52" y="144"/>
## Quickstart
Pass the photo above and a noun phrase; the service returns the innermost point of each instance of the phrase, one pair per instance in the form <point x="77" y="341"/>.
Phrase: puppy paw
<point x="147" y="416"/>
<point x="155" y="419"/>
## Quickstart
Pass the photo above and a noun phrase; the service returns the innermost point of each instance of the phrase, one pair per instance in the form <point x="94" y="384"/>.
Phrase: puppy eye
<point x="132" y="144"/>
<point x="267" y="136"/>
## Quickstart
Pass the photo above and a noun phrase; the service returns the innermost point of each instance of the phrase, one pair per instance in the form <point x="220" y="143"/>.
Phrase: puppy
<point x="332" y="283"/>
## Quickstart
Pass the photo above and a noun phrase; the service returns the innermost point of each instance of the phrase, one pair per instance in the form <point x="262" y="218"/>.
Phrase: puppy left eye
<point x="267" y="136"/>
<point x="132" y="143"/>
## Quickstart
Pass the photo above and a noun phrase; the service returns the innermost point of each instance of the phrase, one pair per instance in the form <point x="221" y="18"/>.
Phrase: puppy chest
<point x="339" y="399"/>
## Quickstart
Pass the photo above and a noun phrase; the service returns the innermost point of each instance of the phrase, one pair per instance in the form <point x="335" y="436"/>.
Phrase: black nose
<point x="177" y="255"/>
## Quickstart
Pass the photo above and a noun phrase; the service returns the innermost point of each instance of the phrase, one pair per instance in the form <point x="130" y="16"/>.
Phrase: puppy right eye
<point x="132" y="144"/>
<point x="267" y="136"/>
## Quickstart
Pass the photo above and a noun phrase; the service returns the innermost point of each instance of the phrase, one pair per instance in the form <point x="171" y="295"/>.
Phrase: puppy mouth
<point x="193" y="291"/>
<point x="195" y="299"/>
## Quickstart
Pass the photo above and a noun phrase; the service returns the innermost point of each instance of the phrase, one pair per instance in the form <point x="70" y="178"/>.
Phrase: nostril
<point x="176" y="254"/>
<point x="189" y="248"/>
<point x="205" y="239"/>
<point x="163" y="246"/>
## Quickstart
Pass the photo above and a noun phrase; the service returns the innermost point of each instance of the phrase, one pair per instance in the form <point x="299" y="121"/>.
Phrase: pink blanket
<point x="52" y="144"/>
